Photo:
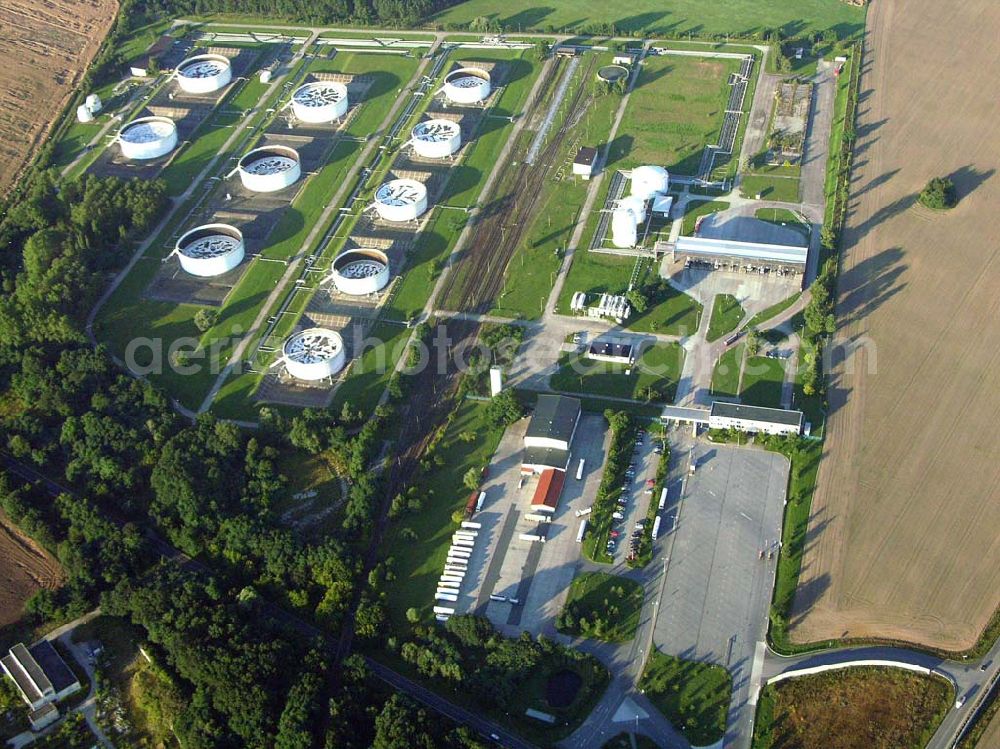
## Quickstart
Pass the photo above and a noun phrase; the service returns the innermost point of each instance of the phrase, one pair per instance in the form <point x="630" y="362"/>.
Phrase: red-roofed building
<point x="550" y="486"/>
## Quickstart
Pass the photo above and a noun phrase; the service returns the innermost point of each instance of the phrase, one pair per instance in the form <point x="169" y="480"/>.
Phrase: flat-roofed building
<point x="41" y="677"/>
<point x="612" y="351"/>
<point x="730" y="254"/>
<point x="550" y="432"/>
<point x="585" y="162"/>
<point x="754" y="418"/>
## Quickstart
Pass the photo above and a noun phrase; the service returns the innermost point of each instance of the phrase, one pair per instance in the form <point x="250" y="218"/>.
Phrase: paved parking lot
<point x="536" y="574"/>
<point x="717" y="590"/>
<point x="644" y="460"/>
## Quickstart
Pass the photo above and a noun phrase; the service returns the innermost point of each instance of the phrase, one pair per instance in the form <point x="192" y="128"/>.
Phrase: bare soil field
<point x="903" y="539"/>
<point x="45" y="45"/>
<point x="24" y="568"/>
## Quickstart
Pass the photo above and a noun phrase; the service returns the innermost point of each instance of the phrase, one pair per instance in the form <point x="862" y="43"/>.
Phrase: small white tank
<point x="467" y="85"/>
<point x="361" y="272"/>
<point x="148" y="138"/>
<point x="401" y="200"/>
<point x="624" y="228"/>
<point x="436" y="139"/>
<point x="210" y="250"/>
<point x="647" y="181"/>
<point x="94" y="103"/>
<point x="265" y="76"/>
<point x="83" y="114"/>
<point x="635" y="204"/>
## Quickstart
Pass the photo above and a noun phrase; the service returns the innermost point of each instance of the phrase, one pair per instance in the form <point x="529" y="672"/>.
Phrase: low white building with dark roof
<point x="754" y="418"/>
<point x="550" y="432"/>
<point x="42" y="678"/>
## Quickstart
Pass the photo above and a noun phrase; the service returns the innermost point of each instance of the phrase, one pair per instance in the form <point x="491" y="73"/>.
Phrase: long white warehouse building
<point x="754" y="253"/>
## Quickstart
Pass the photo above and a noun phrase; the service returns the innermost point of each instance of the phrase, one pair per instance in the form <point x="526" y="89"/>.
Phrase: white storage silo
<point x="467" y="85"/>
<point x="210" y="250"/>
<point x="94" y="103"/>
<point x="436" y="139"/>
<point x="320" y="101"/>
<point x="360" y="272"/>
<point x="203" y="74"/>
<point x="624" y="228"/>
<point x="648" y="181"/>
<point x="313" y="354"/>
<point x="269" y="168"/>
<point x="635" y="204"/>
<point x="148" y="138"/>
<point x="83" y="114"/>
<point x="400" y="200"/>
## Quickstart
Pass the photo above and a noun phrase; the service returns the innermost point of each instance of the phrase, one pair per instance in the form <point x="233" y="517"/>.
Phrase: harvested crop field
<point x="861" y="708"/>
<point x="46" y="46"/>
<point x="902" y="540"/>
<point x="24" y="568"/>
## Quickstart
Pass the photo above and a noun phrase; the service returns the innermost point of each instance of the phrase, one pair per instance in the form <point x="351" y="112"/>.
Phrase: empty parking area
<point x="536" y="574"/>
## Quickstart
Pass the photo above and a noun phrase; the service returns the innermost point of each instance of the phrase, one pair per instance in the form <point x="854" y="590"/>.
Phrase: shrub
<point x="939" y="194"/>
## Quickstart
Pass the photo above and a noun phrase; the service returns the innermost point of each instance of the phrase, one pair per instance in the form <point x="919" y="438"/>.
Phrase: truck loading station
<point x="728" y="254"/>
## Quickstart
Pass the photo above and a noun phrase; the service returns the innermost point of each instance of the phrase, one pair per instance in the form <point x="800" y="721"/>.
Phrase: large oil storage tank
<point x="313" y="354"/>
<point x="270" y="168"/>
<point x="203" y="74"/>
<point x="467" y="85"/>
<point x="361" y="272"/>
<point x="624" y="228"/>
<point x="647" y="181"/>
<point x="210" y="250"/>
<point x="436" y="139"/>
<point x="148" y="138"/>
<point x="400" y="200"/>
<point x="320" y="101"/>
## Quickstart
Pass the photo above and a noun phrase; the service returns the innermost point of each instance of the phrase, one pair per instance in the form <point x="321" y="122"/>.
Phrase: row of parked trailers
<point x="455" y="567"/>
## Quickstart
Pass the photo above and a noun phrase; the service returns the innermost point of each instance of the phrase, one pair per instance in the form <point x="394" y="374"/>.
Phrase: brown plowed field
<point x="904" y="539"/>
<point x="24" y="568"/>
<point x="45" y="46"/>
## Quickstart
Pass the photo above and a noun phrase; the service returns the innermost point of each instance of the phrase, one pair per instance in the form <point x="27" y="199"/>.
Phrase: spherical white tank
<point x="361" y="272"/>
<point x="265" y="76"/>
<point x="210" y="250"/>
<point x="320" y="101"/>
<point x="94" y="103"/>
<point x="313" y="354"/>
<point x="148" y="138"/>
<point x="270" y="168"/>
<point x="401" y="199"/>
<point x="436" y="139"/>
<point x="624" y="228"/>
<point x="83" y="114"/>
<point x="203" y="74"/>
<point x="635" y="204"/>
<point x="467" y="85"/>
<point x="648" y="181"/>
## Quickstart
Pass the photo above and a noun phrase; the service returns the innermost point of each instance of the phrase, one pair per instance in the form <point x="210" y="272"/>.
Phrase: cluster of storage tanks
<point x="647" y="182"/>
<point x="90" y="107"/>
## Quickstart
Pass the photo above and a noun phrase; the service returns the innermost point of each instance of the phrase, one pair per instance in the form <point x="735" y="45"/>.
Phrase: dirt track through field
<point x="903" y="539"/>
<point x="45" y="45"/>
<point x="24" y="569"/>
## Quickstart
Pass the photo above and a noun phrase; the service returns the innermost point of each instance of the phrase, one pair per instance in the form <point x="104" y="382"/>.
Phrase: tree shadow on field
<point x="876" y="182"/>
<point x="968" y="179"/>
<point x="886" y="212"/>
<point x="641" y="21"/>
<point x="528" y="18"/>
<point x="806" y="596"/>
<point x="869" y="284"/>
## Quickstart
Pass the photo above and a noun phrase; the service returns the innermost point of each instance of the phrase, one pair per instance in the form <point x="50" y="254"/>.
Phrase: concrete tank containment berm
<point x="320" y="101"/>
<point x="360" y="272"/>
<point x="467" y="85"/>
<point x="203" y="74"/>
<point x="210" y="250"/>
<point x="436" y="139"/>
<point x="400" y="200"/>
<point x="270" y="168"/>
<point x="612" y="73"/>
<point x="313" y="354"/>
<point x="148" y="138"/>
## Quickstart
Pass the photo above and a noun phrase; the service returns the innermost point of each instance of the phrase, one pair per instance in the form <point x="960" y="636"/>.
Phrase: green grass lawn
<point x="602" y="606"/>
<point x="678" y="19"/>
<point x="774" y="310"/>
<point x="595" y="273"/>
<point x="369" y="374"/>
<point x="762" y="379"/>
<point x="727" y="312"/>
<point x="769" y="187"/>
<point x="654" y="377"/>
<point x="726" y="375"/>
<point x="675" y="110"/>
<point x="696" y="209"/>
<point x="693" y="696"/>
<point x="418" y="542"/>
<point x="670" y="311"/>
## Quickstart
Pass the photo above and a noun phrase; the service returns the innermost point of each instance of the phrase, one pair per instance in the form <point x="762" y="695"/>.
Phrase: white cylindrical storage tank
<point x="210" y="250"/>
<point x="436" y="139"/>
<point x="270" y="168"/>
<point x="401" y="199"/>
<point x="94" y="103"/>
<point x="320" y="101"/>
<point x="647" y="181"/>
<point x="360" y="272"/>
<point x="83" y="114"/>
<point x="635" y="204"/>
<point x="148" y="138"/>
<point x="624" y="228"/>
<point x="467" y="85"/>
<point x="314" y="354"/>
<point x="203" y="74"/>
<point x="265" y="76"/>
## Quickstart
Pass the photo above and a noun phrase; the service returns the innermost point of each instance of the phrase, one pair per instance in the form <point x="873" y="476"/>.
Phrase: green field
<point x="726" y="375"/>
<point x="762" y="379"/>
<point x="678" y="19"/>
<point x="727" y="312"/>
<point x="770" y="187"/>
<point x="675" y="110"/>
<point x="653" y="378"/>
<point x="693" y="696"/>
<point x="670" y="312"/>
<point x="698" y="208"/>
<point x="602" y="606"/>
